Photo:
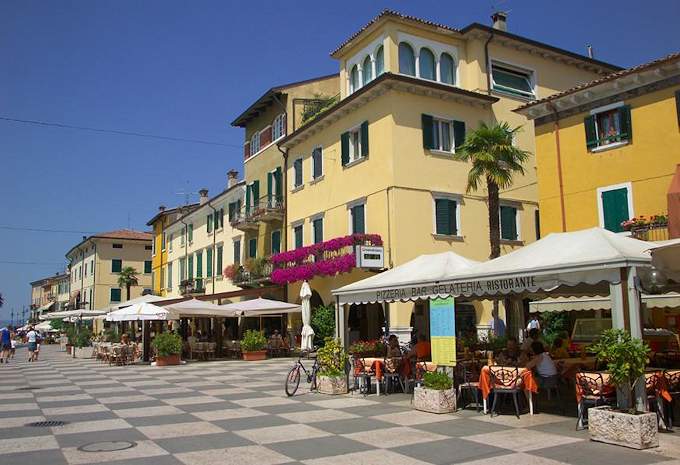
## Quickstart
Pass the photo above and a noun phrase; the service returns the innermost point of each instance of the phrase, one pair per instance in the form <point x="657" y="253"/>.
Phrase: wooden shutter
<point x="190" y="267"/>
<point x="219" y="259"/>
<point x="248" y="199"/>
<point x="297" y="232"/>
<point x="591" y="133"/>
<point x="208" y="223"/>
<point x="297" y="164"/>
<point x="276" y="242"/>
<point x="624" y="121"/>
<point x="445" y="213"/>
<point x="428" y="131"/>
<point x="458" y="133"/>
<point x="615" y="208"/>
<point x="344" y="148"/>
<point x="318" y="230"/>
<point x="199" y="264"/>
<point x="221" y="217"/>
<point x="270" y="185"/>
<point x="509" y="223"/>
<point x="256" y="193"/>
<point x="364" y="139"/>
<point x="277" y="182"/>
<point x="358" y="220"/>
<point x="209" y="262"/>
<point x="237" y="252"/>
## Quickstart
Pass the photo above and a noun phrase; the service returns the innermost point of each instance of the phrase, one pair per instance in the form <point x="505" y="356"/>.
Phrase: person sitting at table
<point x="125" y="339"/>
<point x="422" y="350"/>
<point x="511" y="354"/>
<point x="534" y="336"/>
<point x="558" y="350"/>
<point x="393" y="355"/>
<point x="541" y="361"/>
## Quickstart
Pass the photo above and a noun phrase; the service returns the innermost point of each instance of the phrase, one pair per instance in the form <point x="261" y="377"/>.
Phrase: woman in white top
<point x="541" y="361"/>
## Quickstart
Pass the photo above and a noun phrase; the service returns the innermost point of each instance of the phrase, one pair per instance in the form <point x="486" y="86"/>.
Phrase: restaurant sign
<point x="443" y="331"/>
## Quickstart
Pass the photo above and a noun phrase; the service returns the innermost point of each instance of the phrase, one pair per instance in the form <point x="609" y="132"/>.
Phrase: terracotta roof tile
<point x="125" y="234"/>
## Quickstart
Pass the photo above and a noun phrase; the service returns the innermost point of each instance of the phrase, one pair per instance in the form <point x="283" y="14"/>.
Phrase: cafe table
<point x="377" y="365"/>
<point x="526" y="377"/>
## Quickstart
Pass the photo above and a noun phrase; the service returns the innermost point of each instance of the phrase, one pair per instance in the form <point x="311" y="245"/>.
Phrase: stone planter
<point x="83" y="352"/>
<point x="333" y="385"/>
<point x="623" y="429"/>
<point x="166" y="360"/>
<point x="255" y="355"/>
<point x="434" y="401"/>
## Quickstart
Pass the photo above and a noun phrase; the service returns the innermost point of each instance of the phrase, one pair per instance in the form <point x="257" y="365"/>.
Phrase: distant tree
<point x="128" y="278"/>
<point x="323" y="323"/>
<point x="2" y="300"/>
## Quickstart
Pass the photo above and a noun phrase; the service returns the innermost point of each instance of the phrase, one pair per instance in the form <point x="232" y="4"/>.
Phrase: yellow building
<point x="379" y="161"/>
<point x="159" y="255"/>
<point x="607" y="150"/>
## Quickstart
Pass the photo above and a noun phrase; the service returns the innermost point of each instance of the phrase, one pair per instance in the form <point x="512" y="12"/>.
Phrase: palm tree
<point x="495" y="160"/>
<point x="2" y="300"/>
<point x="128" y="278"/>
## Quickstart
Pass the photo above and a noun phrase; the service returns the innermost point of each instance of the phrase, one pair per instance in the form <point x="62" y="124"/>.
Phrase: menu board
<point x="443" y="331"/>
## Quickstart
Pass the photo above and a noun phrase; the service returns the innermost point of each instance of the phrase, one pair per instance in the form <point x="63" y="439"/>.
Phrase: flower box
<point x="83" y="352"/>
<point x="332" y="385"/>
<point x="637" y="431"/>
<point x="167" y="360"/>
<point x="434" y="400"/>
<point x="255" y="355"/>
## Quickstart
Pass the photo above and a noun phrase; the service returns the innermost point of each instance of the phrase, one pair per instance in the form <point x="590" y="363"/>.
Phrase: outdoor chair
<point x="391" y="375"/>
<point x="673" y="382"/>
<point x="551" y="384"/>
<point x="654" y="400"/>
<point x="592" y="395"/>
<point x="199" y="350"/>
<point x="362" y="375"/>
<point x="505" y="382"/>
<point x="467" y="377"/>
<point x="210" y="348"/>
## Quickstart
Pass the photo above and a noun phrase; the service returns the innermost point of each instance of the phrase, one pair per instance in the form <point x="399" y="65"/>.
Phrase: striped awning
<point x="565" y="304"/>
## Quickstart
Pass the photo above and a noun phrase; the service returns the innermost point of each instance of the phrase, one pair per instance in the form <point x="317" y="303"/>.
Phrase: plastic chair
<point x="505" y="382"/>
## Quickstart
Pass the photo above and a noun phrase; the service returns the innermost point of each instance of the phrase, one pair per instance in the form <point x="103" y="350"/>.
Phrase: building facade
<point x="49" y="294"/>
<point x="95" y="264"/>
<point x="623" y="131"/>
<point x="379" y="161"/>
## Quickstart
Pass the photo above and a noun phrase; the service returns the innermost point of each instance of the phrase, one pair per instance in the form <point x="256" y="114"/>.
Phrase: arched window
<point x="447" y="69"/>
<point x="379" y="61"/>
<point x="367" y="70"/>
<point x="354" y="79"/>
<point x="428" y="68"/>
<point x="407" y="59"/>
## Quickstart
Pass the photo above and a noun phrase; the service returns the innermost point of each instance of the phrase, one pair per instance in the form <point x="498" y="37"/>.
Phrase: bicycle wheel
<point x="293" y="380"/>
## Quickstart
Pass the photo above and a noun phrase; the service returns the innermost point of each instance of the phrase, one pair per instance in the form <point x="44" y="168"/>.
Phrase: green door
<point x="615" y="208"/>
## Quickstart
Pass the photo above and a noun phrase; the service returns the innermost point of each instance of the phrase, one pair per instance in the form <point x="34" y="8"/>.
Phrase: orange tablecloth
<point x="527" y="377"/>
<point x="377" y="365"/>
<point x="659" y="386"/>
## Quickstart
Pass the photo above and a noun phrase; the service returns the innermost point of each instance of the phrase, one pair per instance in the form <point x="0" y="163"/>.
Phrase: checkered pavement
<point x="234" y="412"/>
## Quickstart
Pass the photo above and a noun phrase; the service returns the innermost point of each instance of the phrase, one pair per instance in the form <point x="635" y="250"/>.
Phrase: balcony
<point x="268" y="209"/>
<point x="244" y="221"/>
<point x="192" y="286"/>
<point x="256" y="272"/>
<point x="654" y="228"/>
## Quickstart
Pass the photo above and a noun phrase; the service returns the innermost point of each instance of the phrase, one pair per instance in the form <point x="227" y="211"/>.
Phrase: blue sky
<point x="185" y="69"/>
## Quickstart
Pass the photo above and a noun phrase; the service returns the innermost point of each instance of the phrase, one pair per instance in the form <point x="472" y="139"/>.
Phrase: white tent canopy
<point x="197" y="308"/>
<point x="260" y="307"/>
<point x="72" y="313"/>
<point x="149" y="298"/>
<point x="666" y="258"/>
<point x="45" y="326"/>
<point x="562" y="304"/>
<point x="416" y="279"/>
<point x="142" y="312"/>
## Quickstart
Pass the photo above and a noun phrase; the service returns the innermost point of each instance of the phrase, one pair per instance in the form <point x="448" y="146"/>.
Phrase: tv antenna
<point x="186" y="193"/>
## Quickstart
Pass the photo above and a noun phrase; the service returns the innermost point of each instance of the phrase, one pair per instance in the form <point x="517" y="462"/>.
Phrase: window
<point x="252" y="195"/>
<point x="190" y="267"/>
<point x="274" y="187"/>
<point x="512" y="81"/>
<point x="218" y="264"/>
<point x="357" y="215"/>
<point x="354" y="144"/>
<point x="115" y="294"/>
<point x="407" y="59"/>
<point x="297" y="172"/>
<point x="169" y="286"/>
<point x="317" y="230"/>
<point x="379" y="61"/>
<point x="427" y="65"/>
<point x="147" y="266"/>
<point x="447" y="69"/>
<point x="615" y="206"/>
<point x="509" y="229"/>
<point x="317" y="163"/>
<point x="252" y="248"/>
<point x="182" y="269"/>
<point x="191" y="233"/>
<point x="221" y="218"/>
<point x="116" y="265"/>
<point x="607" y="126"/>
<point x="117" y="246"/>
<point x="276" y="242"/>
<point x="233" y="211"/>
<point x="172" y="236"/>
<point x="182" y="238"/>
<point x="297" y="236"/>
<point x="199" y="264"/>
<point x="162" y="280"/>
<point x="92" y="267"/>
<point x="209" y="223"/>
<point x="354" y="79"/>
<point x="441" y="134"/>
<point x="367" y="71"/>
<point x="279" y="126"/>
<point x="446" y="217"/>
<point x="255" y="143"/>
<point x="237" y="252"/>
<point x="209" y="265"/>
<point x="163" y="241"/>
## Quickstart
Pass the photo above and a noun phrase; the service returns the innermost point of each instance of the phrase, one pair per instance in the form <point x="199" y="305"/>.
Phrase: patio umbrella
<point x="141" y="312"/>
<point x="307" y="331"/>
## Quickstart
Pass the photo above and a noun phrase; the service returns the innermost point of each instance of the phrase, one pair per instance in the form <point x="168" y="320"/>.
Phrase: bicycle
<point x="293" y="378"/>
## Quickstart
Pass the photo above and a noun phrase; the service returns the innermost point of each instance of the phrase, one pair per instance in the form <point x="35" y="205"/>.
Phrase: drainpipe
<point x="284" y="196"/>
<point x="213" y="247"/>
<point x="94" y="277"/>
<point x="486" y="60"/>
<point x="389" y="228"/>
<point x="556" y="129"/>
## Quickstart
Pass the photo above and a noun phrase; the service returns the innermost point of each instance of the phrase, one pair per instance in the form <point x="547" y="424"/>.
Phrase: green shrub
<point x="332" y="358"/>
<point x="555" y="324"/>
<point x="57" y="324"/>
<point x="323" y="323"/>
<point x="438" y="381"/>
<point x="83" y="338"/>
<point x="111" y="335"/>
<point x="253" y="341"/>
<point x="167" y="344"/>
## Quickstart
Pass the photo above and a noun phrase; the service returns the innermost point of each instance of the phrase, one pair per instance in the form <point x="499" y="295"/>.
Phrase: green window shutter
<point x="239" y="205"/>
<point x="297" y="171"/>
<point x="428" y="131"/>
<point x="237" y="252"/>
<point x="252" y="248"/>
<point x="318" y="230"/>
<point x="277" y="183"/>
<point x="344" y="146"/>
<point x="147" y="266"/>
<point x="232" y="211"/>
<point x="115" y="295"/>
<point x="615" y="209"/>
<point x="199" y="264"/>
<point x="248" y="194"/>
<point x="219" y="259"/>
<point x="298" y="236"/>
<point x="445" y="212"/>
<point x="624" y="121"/>
<point x="508" y="223"/>
<point x="221" y="217"/>
<point x="358" y="220"/>
<point x="276" y="242"/>
<point x="209" y="262"/>
<point x="116" y="265"/>
<point x="190" y="259"/>
<point x="458" y="133"/>
<point x="208" y="223"/>
<point x="270" y="185"/>
<point x="364" y="139"/>
<point x="256" y="193"/>
<point x="591" y="133"/>
<point x="191" y="232"/>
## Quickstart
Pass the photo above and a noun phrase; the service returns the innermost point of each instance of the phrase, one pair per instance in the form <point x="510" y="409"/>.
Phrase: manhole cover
<point x="28" y="388"/>
<point x="107" y="446"/>
<point x="46" y="424"/>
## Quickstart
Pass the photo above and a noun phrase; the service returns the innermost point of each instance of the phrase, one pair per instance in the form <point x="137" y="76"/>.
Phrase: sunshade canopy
<point x="149" y="298"/>
<point x="45" y="326"/>
<point x="141" y="312"/>
<point x="72" y="313"/>
<point x="260" y="306"/>
<point x="562" y="304"/>
<point x="198" y="308"/>
<point x="417" y="279"/>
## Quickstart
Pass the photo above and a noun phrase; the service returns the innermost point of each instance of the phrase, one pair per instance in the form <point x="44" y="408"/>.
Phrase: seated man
<point x="511" y="354"/>
<point x="422" y="350"/>
<point x="534" y="336"/>
<point x="541" y="361"/>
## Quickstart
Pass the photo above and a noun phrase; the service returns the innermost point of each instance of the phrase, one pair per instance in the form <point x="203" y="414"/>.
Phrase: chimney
<point x="232" y="178"/>
<point x="500" y="20"/>
<point x="589" y="48"/>
<point x="203" y="193"/>
<point x="161" y="208"/>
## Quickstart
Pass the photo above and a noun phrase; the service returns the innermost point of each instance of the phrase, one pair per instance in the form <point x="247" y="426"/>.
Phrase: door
<point x="615" y="208"/>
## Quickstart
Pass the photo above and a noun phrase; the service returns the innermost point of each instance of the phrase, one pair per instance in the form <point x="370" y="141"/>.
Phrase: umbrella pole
<point x="145" y="340"/>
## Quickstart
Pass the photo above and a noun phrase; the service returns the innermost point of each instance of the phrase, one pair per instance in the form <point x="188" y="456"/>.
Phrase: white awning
<point x="260" y="307"/>
<point x="416" y="279"/>
<point x="198" y="308"/>
<point x="563" y="304"/>
<point x="149" y="298"/>
<point x="72" y="313"/>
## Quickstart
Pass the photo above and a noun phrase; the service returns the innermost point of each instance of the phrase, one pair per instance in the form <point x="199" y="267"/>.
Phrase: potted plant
<point x="626" y="359"/>
<point x="332" y="358"/>
<point x="70" y="333"/>
<point x="168" y="349"/>
<point x="82" y="344"/>
<point x="436" y="395"/>
<point x="254" y="345"/>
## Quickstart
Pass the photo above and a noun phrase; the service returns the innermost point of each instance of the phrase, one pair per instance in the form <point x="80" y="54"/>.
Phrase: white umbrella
<point x="141" y="312"/>
<point x="260" y="307"/>
<point x="72" y="314"/>
<point x="198" y="308"/>
<point x="307" y="331"/>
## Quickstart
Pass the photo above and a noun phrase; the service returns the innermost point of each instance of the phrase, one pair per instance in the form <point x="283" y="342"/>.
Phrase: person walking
<point x="5" y="344"/>
<point x="32" y="339"/>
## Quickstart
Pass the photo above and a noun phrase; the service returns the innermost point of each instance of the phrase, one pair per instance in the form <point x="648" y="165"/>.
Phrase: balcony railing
<point x="255" y="272"/>
<point x="268" y="209"/>
<point x="652" y="232"/>
<point x="192" y="286"/>
<point x="244" y="221"/>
